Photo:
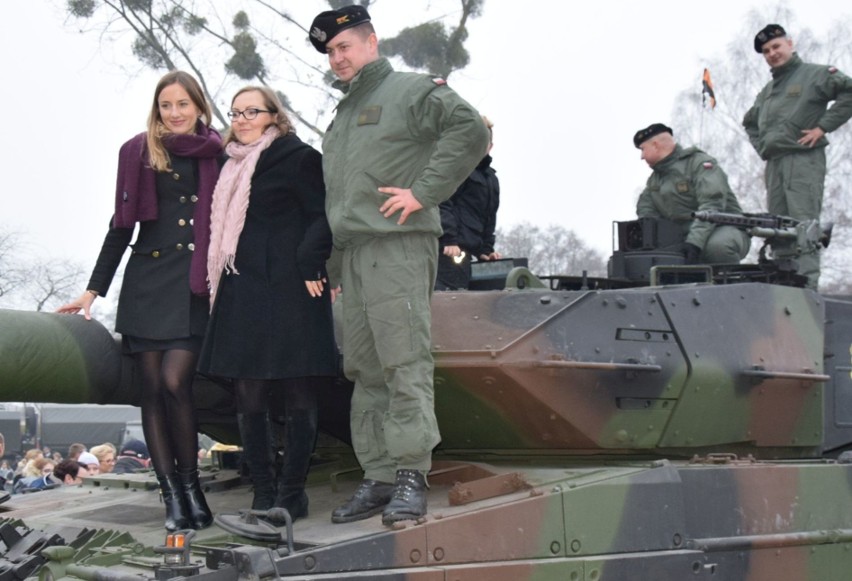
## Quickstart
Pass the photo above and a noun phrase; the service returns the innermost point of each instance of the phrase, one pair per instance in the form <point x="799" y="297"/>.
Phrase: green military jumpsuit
<point x="794" y="100"/>
<point x="688" y="180"/>
<point x="401" y="130"/>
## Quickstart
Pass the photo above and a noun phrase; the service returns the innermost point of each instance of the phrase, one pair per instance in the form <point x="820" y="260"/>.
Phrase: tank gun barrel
<point x="58" y="359"/>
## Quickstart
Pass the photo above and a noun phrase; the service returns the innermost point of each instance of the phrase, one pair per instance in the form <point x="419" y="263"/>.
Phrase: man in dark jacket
<point x="787" y="126"/>
<point x="132" y="457"/>
<point x="469" y="219"/>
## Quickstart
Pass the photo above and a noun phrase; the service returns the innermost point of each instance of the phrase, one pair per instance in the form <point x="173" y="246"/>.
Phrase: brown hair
<point x="272" y="103"/>
<point x="157" y="154"/>
<point x="364" y="30"/>
<point x="75" y="450"/>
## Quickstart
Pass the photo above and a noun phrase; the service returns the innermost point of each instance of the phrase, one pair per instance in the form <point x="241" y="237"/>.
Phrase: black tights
<point x="255" y="396"/>
<point x="168" y="413"/>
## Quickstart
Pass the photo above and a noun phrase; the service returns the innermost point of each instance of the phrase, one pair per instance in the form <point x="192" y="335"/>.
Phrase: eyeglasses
<point x="249" y="114"/>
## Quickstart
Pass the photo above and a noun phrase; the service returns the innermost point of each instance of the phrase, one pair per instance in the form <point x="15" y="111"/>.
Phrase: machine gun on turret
<point x="786" y="239"/>
<point x="648" y="250"/>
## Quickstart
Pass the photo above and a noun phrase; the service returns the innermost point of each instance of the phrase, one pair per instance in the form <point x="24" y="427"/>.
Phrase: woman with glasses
<point x="105" y="453"/>
<point x="165" y="185"/>
<point x="270" y="327"/>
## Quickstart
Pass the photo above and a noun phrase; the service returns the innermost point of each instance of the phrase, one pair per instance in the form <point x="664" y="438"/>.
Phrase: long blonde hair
<point x="157" y="154"/>
<point x="272" y="103"/>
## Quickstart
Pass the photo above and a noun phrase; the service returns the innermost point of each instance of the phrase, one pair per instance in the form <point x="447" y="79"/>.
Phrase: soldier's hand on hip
<point x="810" y="137"/>
<point x="399" y="199"/>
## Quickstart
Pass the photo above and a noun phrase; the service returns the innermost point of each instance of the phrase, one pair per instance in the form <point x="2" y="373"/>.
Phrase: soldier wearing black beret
<point x="649" y="132"/>
<point x="787" y="125"/>
<point x="330" y="23"/>
<point x="400" y="144"/>
<point x="686" y="180"/>
<point x="769" y="32"/>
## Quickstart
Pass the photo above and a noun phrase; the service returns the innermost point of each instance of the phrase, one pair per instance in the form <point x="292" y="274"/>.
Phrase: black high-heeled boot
<point x="200" y="515"/>
<point x="256" y="434"/>
<point x="300" y="436"/>
<point x="177" y="517"/>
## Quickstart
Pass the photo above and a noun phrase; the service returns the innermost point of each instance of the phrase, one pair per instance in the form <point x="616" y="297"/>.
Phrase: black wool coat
<point x="264" y="324"/>
<point x="156" y="301"/>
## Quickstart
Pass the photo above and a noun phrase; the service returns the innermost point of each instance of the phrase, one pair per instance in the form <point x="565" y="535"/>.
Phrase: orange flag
<point x="707" y="90"/>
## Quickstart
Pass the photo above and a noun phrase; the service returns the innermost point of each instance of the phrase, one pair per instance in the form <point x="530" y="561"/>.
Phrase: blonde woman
<point x="165" y="185"/>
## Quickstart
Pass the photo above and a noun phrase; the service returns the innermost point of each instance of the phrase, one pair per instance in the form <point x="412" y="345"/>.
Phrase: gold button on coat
<point x="194" y="198"/>
<point x="179" y="246"/>
<point x="176" y="175"/>
<point x="181" y="222"/>
<point x="191" y="246"/>
<point x="182" y="199"/>
<point x="156" y="254"/>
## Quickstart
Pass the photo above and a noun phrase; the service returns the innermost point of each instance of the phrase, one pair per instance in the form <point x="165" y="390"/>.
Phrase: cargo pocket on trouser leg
<point x="368" y="441"/>
<point x="411" y="435"/>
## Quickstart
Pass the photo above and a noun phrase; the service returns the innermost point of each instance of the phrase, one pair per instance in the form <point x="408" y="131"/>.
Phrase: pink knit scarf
<point x="230" y="202"/>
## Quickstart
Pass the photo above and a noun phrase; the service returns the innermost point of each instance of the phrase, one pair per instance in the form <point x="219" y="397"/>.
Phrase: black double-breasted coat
<point x="156" y="301"/>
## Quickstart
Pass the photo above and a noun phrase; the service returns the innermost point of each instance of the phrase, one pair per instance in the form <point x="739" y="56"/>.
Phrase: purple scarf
<point x="136" y="189"/>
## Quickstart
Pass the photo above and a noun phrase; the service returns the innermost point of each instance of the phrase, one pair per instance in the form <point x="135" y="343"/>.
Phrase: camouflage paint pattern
<point x="598" y="399"/>
<point x="666" y="370"/>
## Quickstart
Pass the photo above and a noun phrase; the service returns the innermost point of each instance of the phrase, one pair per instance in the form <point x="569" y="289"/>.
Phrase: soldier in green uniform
<point x="399" y="145"/>
<point x="687" y="180"/>
<point x="787" y="126"/>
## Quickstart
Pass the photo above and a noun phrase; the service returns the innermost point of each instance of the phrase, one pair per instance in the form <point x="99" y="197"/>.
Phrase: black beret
<point x="330" y="23"/>
<point x="650" y="131"/>
<point x="769" y="32"/>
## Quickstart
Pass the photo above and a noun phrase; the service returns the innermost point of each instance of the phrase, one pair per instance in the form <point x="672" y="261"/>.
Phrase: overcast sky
<point x="566" y="84"/>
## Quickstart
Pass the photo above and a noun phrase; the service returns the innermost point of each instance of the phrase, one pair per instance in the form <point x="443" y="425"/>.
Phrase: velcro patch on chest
<point x="794" y="91"/>
<point x="682" y="187"/>
<point x="370" y="115"/>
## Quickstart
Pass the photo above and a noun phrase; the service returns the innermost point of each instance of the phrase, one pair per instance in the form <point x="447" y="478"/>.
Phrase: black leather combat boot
<point x="200" y="515"/>
<point x="409" y="497"/>
<point x="177" y="517"/>
<point x="370" y="498"/>
<point x="256" y="434"/>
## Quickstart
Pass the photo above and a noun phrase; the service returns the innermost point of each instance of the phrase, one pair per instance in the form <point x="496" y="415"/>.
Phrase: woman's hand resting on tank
<point x="84" y="301"/>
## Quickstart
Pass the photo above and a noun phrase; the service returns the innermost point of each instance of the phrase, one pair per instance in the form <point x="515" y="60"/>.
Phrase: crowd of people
<point x="43" y="469"/>
<point x="244" y="241"/>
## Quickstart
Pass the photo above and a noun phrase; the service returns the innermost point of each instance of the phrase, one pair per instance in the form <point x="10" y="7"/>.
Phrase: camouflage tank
<point x="593" y="429"/>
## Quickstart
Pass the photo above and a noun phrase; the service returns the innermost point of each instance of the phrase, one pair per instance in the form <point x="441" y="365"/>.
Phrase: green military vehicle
<point x="688" y="425"/>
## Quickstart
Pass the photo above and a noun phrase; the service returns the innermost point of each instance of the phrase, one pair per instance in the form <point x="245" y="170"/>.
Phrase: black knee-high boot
<point x="300" y="435"/>
<point x="177" y="517"/>
<point x="200" y="515"/>
<point x="256" y="434"/>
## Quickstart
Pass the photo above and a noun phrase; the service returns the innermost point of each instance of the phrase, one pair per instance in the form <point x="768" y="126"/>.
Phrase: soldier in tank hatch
<point x="683" y="181"/>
